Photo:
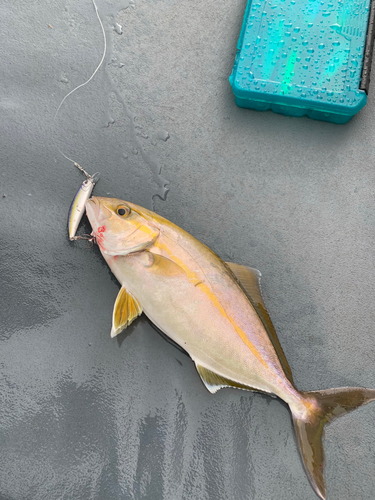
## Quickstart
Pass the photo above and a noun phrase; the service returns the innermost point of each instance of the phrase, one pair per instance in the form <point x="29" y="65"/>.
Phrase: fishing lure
<point x="77" y="208"/>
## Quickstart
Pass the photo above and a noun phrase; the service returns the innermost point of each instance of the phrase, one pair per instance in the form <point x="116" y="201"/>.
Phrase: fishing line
<point x="80" y="86"/>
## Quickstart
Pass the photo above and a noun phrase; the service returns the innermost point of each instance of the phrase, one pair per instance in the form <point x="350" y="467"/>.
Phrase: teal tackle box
<point x="305" y="57"/>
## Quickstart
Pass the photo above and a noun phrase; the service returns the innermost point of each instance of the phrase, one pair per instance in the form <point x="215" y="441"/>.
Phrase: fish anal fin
<point x="125" y="310"/>
<point x="249" y="278"/>
<point x="214" y="382"/>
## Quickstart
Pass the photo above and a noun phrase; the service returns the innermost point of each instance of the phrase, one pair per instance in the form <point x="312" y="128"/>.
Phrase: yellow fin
<point x="214" y="382"/>
<point x="322" y="408"/>
<point x="166" y="267"/>
<point x="249" y="278"/>
<point x="126" y="309"/>
<point x="250" y="281"/>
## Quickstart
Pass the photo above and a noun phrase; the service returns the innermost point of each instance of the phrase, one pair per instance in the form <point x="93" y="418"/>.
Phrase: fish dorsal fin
<point x="249" y="278"/>
<point x="250" y="281"/>
<point x="126" y="309"/>
<point x="214" y="382"/>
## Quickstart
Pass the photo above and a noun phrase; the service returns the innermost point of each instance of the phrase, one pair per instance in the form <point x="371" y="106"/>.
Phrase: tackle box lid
<point x="305" y="57"/>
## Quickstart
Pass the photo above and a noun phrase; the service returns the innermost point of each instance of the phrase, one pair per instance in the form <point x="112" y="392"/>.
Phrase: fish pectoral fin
<point x="126" y="309"/>
<point x="249" y="278"/>
<point x="160" y="265"/>
<point x="214" y="382"/>
<point x="164" y="266"/>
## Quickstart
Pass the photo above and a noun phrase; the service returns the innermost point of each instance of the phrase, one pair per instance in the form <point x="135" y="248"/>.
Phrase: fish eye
<point x="123" y="211"/>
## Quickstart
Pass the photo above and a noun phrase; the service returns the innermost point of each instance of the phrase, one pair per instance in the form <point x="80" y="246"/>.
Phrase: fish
<point x="215" y="311"/>
<point x="78" y="206"/>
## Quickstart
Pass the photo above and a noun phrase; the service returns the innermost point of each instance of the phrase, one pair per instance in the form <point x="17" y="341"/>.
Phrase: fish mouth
<point x="92" y="210"/>
<point x="97" y="212"/>
<point x="96" y="217"/>
<point x="91" y="200"/>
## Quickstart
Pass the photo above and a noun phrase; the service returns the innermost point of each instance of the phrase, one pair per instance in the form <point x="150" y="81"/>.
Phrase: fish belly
<point x="192" y="316"/>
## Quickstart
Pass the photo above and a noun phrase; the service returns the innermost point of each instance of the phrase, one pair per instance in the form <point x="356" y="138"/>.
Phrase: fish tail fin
<point x="322" y="407"/>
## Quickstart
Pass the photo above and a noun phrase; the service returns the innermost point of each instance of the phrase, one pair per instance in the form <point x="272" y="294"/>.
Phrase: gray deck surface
<point x="86" y="417"/>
